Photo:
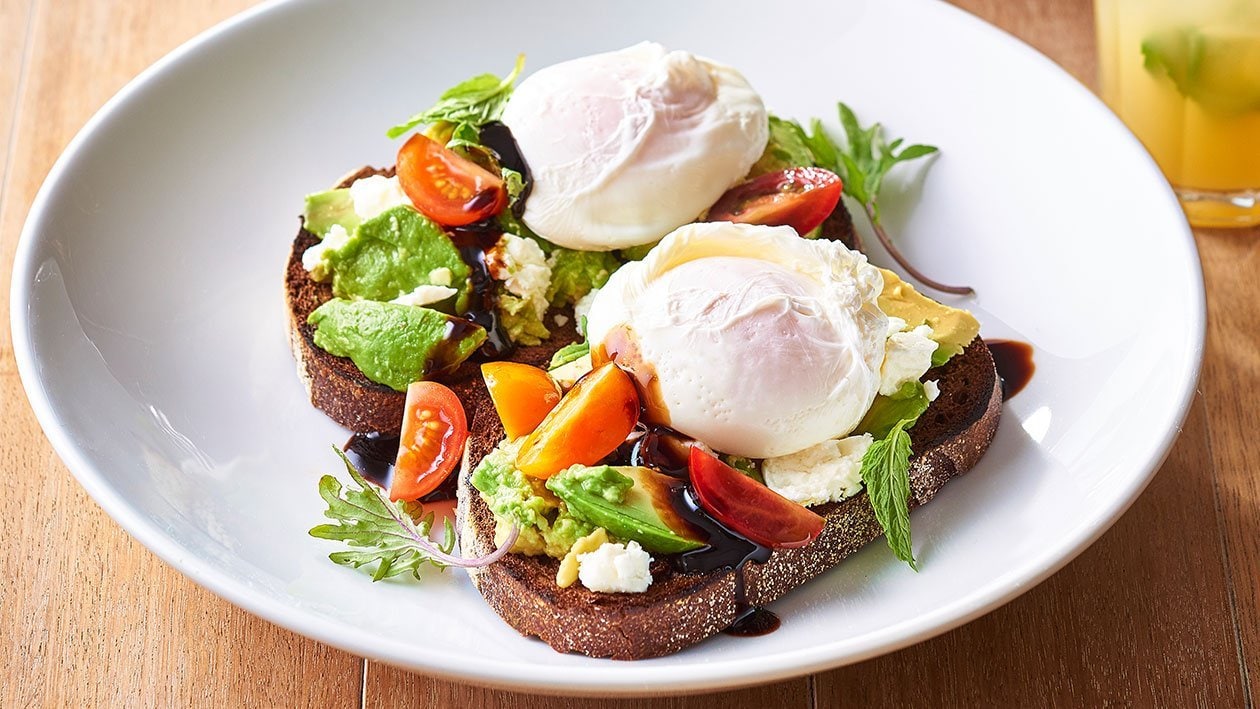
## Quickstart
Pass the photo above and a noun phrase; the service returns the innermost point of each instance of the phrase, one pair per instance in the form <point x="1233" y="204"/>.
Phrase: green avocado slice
<point x="632" y="503"/>
<point x="324" y="209"/>
<point x="394" y="344"/>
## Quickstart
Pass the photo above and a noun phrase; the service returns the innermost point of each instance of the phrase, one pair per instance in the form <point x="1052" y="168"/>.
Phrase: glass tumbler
<point x="1185" y="76"/>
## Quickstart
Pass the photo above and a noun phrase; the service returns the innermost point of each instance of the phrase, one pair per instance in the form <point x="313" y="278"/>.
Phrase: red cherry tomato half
<point x="750" y="508"/>
<point x="434" y="431"/>
<point x="446" y="187"/>
<point x="799" y="197"/>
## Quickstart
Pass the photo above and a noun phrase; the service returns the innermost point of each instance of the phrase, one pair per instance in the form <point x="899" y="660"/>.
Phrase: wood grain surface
<point x="1163" y="610"/>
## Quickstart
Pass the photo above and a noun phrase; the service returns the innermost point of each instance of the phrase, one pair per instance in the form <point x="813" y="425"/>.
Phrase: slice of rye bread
<point x="680" y="609"/>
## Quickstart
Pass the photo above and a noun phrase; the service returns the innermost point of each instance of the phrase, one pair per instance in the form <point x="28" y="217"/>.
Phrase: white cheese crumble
<point x="566" y="375"/>
<point x="561" y="320"/>
<point x="313" y="258"/>
<point x="373" y="195"/>
<point x="907" y="356"/>
<point x="440" y="276"/>
<point x="522" y="266"/>
<point x="424" y="295"/>
<point x="895" y="325"/>
<point x="582" y="308"/>
<point x="931" y="389"/>
<point x="827" y="472"/>
<point x="615" y="568"/>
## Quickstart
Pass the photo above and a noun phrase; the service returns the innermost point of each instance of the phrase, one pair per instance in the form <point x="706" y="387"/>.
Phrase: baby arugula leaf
<point x="886" y="473"/>
<point x="394" y="534"/>
<point x="467" y="106"/>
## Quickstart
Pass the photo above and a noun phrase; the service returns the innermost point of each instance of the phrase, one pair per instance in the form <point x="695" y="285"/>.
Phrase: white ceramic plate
<point x="149" y="325"/>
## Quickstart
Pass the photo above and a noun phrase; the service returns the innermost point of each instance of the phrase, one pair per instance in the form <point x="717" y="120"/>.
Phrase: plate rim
<point x="628" y="679"/>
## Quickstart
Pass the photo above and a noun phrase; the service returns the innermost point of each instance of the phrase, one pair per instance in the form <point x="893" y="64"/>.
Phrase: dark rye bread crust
<point x="679" y="610"/>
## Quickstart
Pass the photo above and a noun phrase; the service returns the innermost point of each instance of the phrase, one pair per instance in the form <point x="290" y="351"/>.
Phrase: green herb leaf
<point x="862" y="162"/>
<point x="392" y="534"/>
<point x="469" y="105"/>
<point x="886" y="473"/>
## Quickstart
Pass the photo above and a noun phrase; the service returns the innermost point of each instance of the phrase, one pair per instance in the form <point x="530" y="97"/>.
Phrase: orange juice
<point x="1185" y="76"/>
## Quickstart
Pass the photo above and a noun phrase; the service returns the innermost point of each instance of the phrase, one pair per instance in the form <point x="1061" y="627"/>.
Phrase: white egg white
<point x="762" y="343"/>
<point x="625" y="146"/>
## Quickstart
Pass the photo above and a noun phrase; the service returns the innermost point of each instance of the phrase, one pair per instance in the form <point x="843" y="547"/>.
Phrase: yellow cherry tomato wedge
<point x="589" y="423"/>
<point x="523" y="395"/>
<point x="434" y="431"/>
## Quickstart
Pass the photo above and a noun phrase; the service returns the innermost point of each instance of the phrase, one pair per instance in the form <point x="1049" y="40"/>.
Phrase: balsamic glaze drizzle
<point x="473" y="241"/>
<point x="498" y="137"/>
<point x="1014" y="362"/>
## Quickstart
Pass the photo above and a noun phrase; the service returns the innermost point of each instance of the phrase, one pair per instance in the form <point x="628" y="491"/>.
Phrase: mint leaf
<point x="394" y="535"/>
<point x="468" y="105"/>
<point x="886" y="474"/>
<point x="862" y="161"/>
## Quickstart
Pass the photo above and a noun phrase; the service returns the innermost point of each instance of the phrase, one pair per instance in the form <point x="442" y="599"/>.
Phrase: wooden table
<point x="1165" y="608"/>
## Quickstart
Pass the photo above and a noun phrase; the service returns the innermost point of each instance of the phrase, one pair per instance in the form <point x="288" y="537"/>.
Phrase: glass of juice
<point x="1185" y="76"/>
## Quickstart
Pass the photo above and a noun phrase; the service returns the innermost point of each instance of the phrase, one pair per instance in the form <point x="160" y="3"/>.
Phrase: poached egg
<point x="627" y="145"/>
<point x="753" y="340"/>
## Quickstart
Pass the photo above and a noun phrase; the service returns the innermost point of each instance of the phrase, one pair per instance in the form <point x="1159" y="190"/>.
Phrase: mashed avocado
<point x="576" y="273"/>
<point x="393" y="253"/>
<point x="521" y="321"/>
<point x="546" y="525"/>
<point x="952" y="329"/>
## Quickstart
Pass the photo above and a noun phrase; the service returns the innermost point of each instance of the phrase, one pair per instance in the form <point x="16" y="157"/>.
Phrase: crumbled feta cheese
<point x="827" y="472"/>
<point x="561" y="320"/>
<point x="522" y="266"/>
<point x="440" y="276"/>
<point x="931" y="389"/>
<point x="583" y="307"/>
<point x="313" y="258"/>
<point x="907" y="355"/>
<point x="895" y="325"/>
<point x="424" y="295"/>
<point x="615" y="568"/>
<point x="373" y="195"/>
<point x="566" y="375"/>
